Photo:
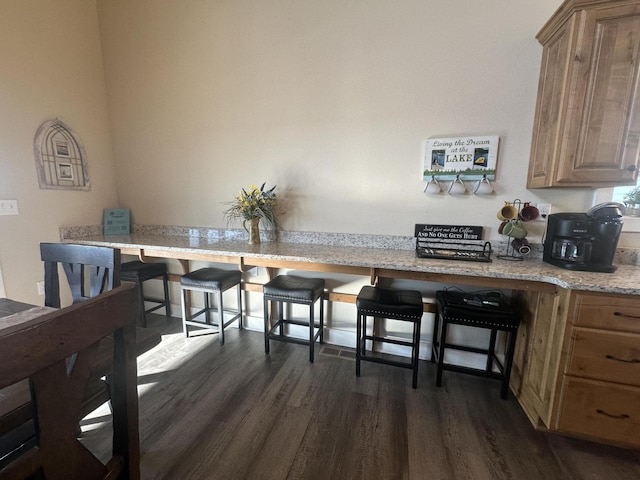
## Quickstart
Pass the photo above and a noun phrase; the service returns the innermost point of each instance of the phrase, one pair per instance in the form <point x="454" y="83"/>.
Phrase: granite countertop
<point x="626" y="280"/>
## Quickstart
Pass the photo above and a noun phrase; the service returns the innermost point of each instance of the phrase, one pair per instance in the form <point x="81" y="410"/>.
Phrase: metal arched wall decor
<point x="61" y="161"/>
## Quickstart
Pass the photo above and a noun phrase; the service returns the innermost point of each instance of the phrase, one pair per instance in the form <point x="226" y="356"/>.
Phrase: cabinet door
<point x="550" y="107"/>
<point x="601" y="138"/>
<point x="538" y="354"/>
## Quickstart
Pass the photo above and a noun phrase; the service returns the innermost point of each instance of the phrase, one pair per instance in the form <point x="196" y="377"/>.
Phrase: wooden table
<point x="10" y="307"/>
<point x="35" y="344"/>
<point x="15" y="399"/>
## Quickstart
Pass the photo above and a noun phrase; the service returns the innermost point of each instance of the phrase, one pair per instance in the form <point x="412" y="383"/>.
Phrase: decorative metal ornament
<point x="61" y="161"/>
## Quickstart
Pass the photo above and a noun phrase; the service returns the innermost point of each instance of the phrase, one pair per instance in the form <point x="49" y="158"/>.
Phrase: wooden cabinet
<point x="587" y="122"/>
<point x="577" y="364"/>
<point x="600" y="392"/>
<point x="538" y="354"/>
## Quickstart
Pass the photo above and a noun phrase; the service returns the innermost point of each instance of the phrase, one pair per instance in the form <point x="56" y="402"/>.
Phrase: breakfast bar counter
<point x="388" y="262"/>
<point x="576" y="368"/>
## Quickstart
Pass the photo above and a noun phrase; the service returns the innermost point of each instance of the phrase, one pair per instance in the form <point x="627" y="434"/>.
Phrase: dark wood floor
<point x="230" y="412"/>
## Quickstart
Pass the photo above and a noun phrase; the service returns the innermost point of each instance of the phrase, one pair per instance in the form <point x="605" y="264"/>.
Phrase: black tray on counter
<point x="469" y="250"/>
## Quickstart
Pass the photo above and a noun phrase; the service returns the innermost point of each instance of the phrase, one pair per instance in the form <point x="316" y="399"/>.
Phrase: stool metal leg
<point x="167" y="303"/>
<point x="415" y="352"/>
<point x="492" y="350"/>
<point x="434" y="338"/>
<point x="141" y="310"/>
<point x="358" y="342"/>
<point x="441" y="349"/>
<point x="363" y="336"/>
<point x="280" y="307"/>
<point x="239" y="307"/>
<point x="321" y="319"/>
<point x="220" y="317"/>
<point x="311" y="332"/>
<point x="185" y="318"/>
<point x="266" y="325"/>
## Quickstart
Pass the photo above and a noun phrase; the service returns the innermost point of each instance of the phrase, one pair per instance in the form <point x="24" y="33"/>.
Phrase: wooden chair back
<point x="38" y="350"/>
<point x="97" y="268"/>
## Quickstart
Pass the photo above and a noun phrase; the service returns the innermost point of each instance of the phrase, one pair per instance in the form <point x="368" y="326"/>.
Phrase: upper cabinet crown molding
<point x="587" y="123"/>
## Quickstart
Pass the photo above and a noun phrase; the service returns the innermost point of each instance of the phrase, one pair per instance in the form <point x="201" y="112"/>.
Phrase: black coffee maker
<point x="584" y="241"/>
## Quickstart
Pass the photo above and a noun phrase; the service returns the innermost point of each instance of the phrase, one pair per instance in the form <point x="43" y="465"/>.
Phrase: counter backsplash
<point x="624" y="256"/>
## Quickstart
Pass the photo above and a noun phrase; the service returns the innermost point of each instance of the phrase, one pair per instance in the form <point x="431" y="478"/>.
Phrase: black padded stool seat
<point x="210" y="281"/>
<point x="211" y="278"/>
<point x="291" y="289"/>
<point x="394" y="304"/>
<point x="481" y="310"/>
<point x="139" y="272"/>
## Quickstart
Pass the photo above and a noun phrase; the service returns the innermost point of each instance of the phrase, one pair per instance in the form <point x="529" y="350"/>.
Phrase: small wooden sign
<point x="448" y="232"/>
<point x="116" y="221"/>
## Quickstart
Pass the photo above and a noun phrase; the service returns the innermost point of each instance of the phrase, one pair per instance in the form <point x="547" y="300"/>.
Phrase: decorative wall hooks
<point x="458" y="187"/>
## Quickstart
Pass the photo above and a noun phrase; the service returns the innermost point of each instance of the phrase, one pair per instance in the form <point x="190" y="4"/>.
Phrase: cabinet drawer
<point x="608" y="356"/>
<point x="608" y="312"/>
<point x="601" y="411"/>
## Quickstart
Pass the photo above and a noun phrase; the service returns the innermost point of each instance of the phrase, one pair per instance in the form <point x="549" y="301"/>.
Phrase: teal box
<point x="117" y="221"/>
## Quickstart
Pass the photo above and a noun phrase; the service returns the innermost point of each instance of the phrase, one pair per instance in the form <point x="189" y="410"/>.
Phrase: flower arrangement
<point x="254" y="203"/>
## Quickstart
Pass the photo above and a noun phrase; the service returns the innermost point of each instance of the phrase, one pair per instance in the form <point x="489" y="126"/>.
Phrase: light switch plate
<point x="9" y="207"/>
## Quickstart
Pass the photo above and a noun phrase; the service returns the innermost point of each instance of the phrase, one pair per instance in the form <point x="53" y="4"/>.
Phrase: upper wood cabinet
<point x="587" y="125"/>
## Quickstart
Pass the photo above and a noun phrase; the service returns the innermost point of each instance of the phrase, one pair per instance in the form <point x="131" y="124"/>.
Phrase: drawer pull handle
<point x="620" y="314"/>
<point x="621" y="416"/>
<point x="633" y="360"/>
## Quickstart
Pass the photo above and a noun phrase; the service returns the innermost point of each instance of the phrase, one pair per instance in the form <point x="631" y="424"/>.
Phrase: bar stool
<point x="139" y="272"/>
<point x="489" y="311"/>
<point x="210" y="281"/>
<point x="394" y="304"/>
<point x="289" y="289"/>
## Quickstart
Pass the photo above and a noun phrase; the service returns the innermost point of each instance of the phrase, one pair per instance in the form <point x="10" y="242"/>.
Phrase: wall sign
<point x="448" y="232"/>
<point x="61" y="161"/>
<point x="470" y="158"/>
<point x="116" y="221"/>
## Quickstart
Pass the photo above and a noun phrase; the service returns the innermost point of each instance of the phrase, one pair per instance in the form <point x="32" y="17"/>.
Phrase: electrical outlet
<point x="8" y="207"/>
<point x="545" y="211"/>
<point x="40" y="287"/>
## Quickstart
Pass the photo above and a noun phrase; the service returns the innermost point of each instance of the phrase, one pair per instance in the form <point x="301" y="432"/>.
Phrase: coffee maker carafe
<point x="584" y="241"/>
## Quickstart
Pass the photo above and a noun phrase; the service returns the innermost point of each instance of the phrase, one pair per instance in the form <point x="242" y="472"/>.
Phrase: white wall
<point x="51" y="65"/>
<point x="331" y="100"/>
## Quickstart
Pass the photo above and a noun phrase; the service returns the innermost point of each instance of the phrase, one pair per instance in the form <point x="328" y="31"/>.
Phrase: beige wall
<point x="51" y="66"/>
<point x="331" y="100"/>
